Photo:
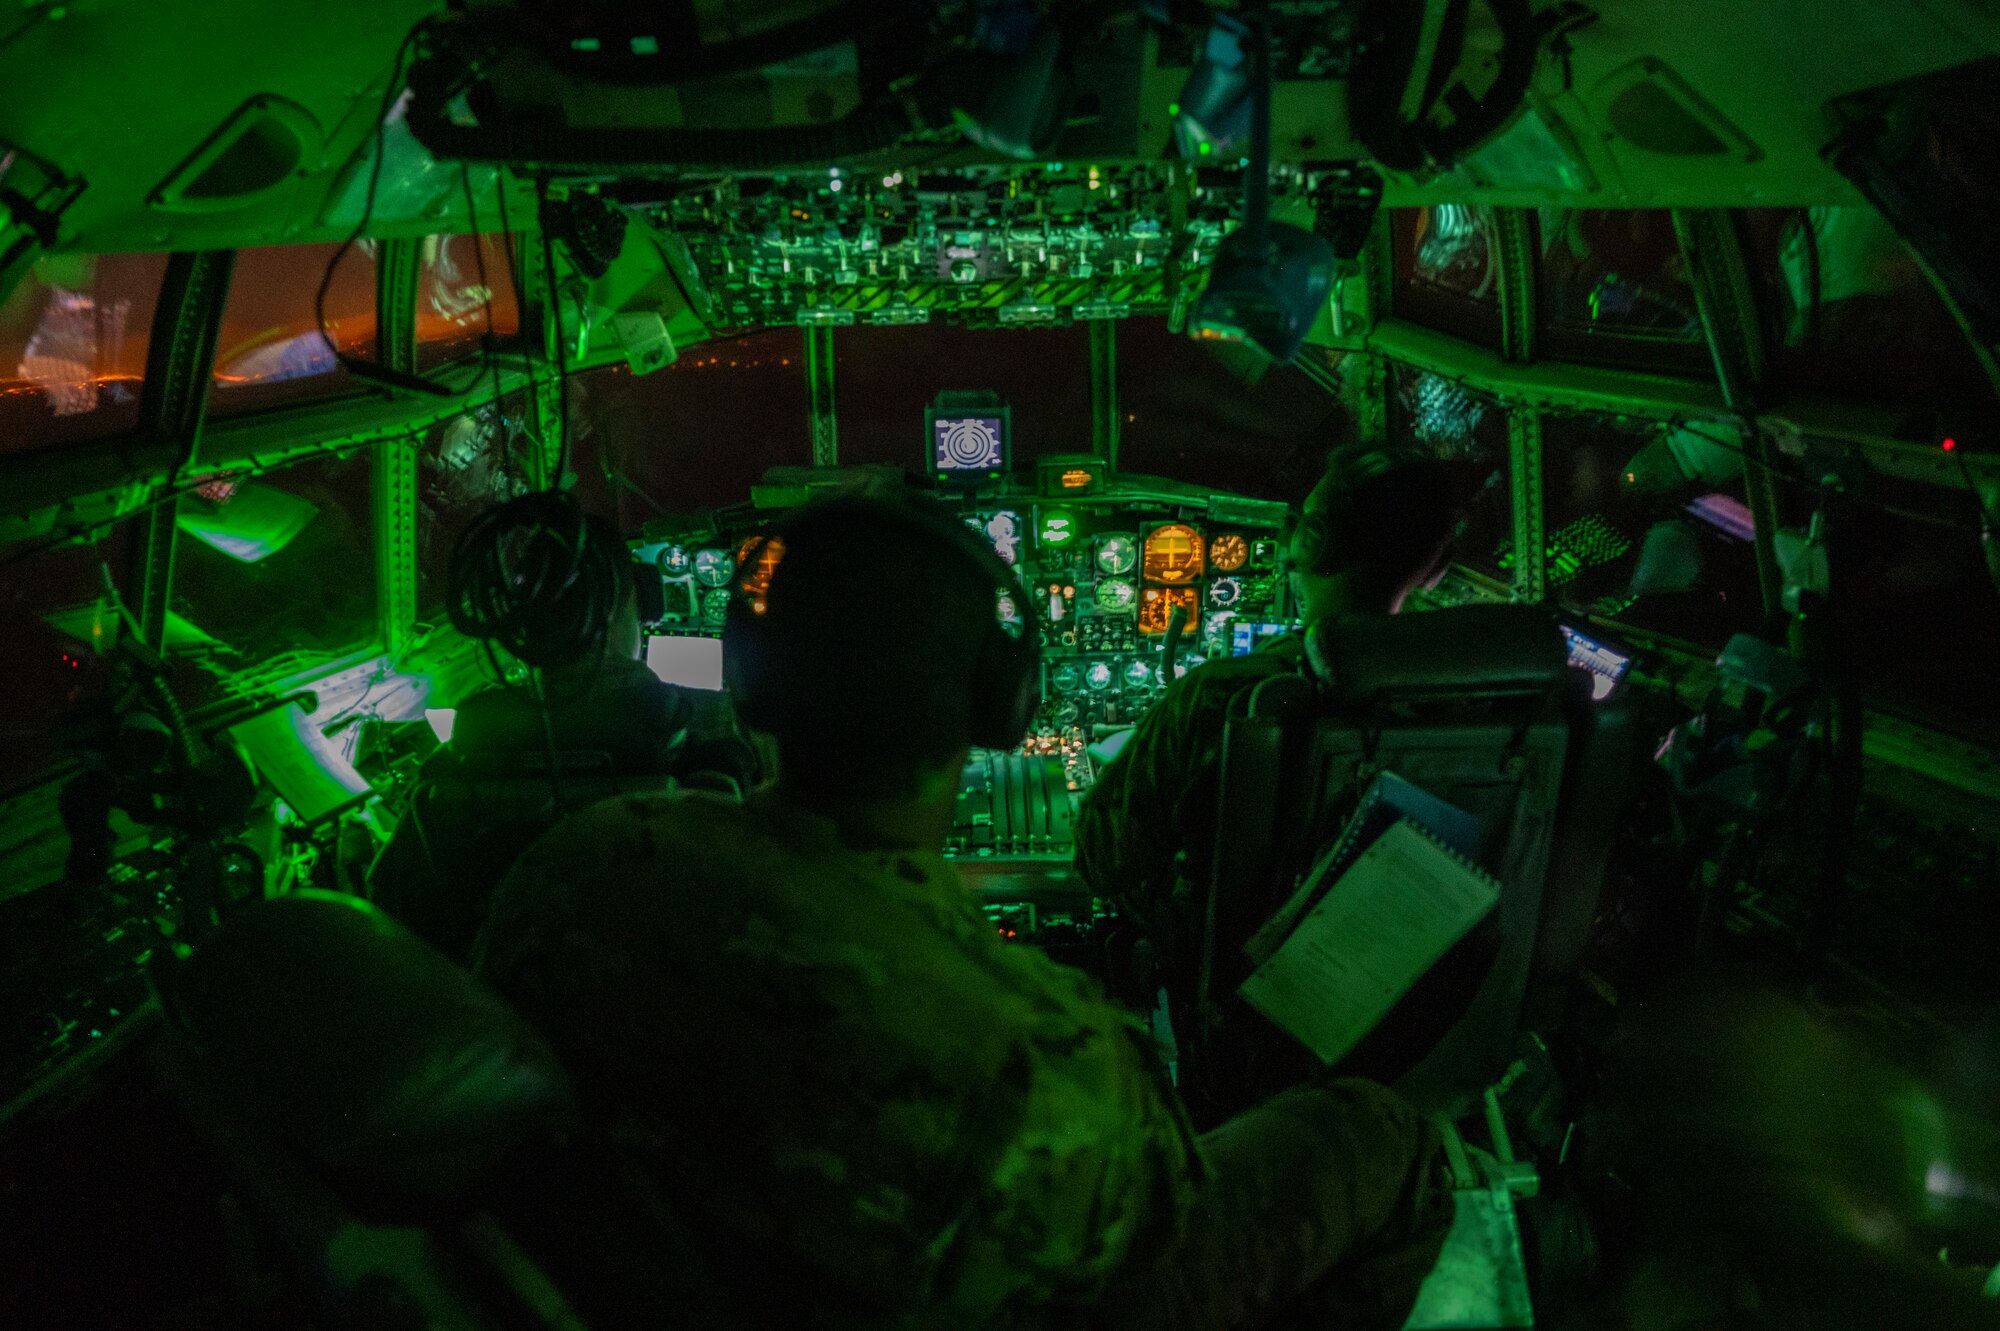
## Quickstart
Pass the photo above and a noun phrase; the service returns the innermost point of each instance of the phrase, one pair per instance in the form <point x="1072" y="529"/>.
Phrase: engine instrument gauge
<point x="1156" y="607"/>
<point x="1229" y="552"/>
<point x="1174" y="554"/>
<point x="1003" y="529"/>
<point x="1225" y="592"/>
<point x="713" y="568"/>
<point x="1138" y="675"/>
<point x="675" y="561"/>
<point x="1098" y="677"/>
<point x="1115" y="594"/>
<point x="1117" y="554"/>
<point x="1066" y="678"/>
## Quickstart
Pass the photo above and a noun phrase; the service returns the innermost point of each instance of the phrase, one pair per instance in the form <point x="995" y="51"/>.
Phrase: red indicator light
<point x="1948" y="445"/>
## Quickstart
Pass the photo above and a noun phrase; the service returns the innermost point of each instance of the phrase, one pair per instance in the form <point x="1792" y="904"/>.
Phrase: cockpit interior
<point x="1694" y="307"/>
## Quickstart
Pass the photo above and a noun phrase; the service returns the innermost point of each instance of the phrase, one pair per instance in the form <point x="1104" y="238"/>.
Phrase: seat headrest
<point x="1467" y="651"/>
<point x="361" y="1047"/>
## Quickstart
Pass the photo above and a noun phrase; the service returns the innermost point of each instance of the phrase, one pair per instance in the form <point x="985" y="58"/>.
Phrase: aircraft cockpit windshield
<point x="1688" y="313"/>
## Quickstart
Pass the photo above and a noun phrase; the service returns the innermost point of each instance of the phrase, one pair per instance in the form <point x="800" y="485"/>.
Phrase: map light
<point x="1269" y="294"/>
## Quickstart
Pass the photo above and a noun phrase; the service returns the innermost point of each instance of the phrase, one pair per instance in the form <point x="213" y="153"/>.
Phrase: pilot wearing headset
<point x="539" y="582"/>
<point x="794" y="1017"/>
<point x="1376" y="527"/>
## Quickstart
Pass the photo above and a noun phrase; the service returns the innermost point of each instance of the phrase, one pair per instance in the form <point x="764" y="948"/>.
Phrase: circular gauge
<point x="1173" y="554"/>
<point x="1009" y="615"/>
<point x="1138" y="675"/>
<point x="713" y="568"/>
<point x="675" y="561"/>
<point x="1115" y="594"/>
<point x="1118" y="554"/>
<point x="1003" y="530"/>
<point x="1066" y="678"/>
<point x="1098" y="678"/>
<point x="1228" y="553"/>
<point x="1225" y="592"/>
<point x="715" y="605"/>
<point x="1187" y="663"/>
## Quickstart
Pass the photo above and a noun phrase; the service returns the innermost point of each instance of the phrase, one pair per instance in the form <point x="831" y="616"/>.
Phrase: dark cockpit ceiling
<point x="288" y="297"/>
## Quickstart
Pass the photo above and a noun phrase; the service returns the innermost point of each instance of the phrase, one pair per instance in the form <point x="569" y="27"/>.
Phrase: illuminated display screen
<point x="1244" y="637"/>
<point x="1174" y="554"/>
<point x="692" y="663"/>
<point x="767" y="553"/>
<point x="1156" y="605"/>
<point x="974" y="445"/>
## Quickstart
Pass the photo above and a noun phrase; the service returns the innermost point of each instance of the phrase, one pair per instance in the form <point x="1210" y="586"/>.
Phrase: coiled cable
<point x="538" y="578"/>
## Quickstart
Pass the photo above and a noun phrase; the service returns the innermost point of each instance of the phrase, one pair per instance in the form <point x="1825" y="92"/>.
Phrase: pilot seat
<point x="1477" y="706"/>
<point x="510" y="773"/>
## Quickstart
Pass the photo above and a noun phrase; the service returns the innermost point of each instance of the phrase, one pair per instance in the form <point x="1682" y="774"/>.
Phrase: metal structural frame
<point x="173" y="404"/>
<point x="1726" y="299"/>
<point x="1104" y="417"/>
<point x="545" y="402"/>
<point x="394" y="473"/>
<point x="1514" y="237"/>
<point x="1524" y="458"/>
<point x="821" y="411"/>
<point x="1514" y="253"/>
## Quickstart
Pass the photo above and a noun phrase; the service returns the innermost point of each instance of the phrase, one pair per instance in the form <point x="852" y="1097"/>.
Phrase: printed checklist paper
<point x="1388" y="919"/>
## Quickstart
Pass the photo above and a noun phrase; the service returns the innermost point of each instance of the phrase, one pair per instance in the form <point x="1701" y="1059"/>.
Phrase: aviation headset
<point x="543" y="579"/>
<point x="1005" y="681"/>
<point x="1313" y="541"/>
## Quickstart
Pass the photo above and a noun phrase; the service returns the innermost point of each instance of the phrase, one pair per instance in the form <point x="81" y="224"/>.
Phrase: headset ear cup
<point x="650" y="592"/>
<point x="1006" y="691"/>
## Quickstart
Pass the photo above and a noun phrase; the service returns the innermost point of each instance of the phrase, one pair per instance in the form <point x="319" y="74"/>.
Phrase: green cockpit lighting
<point x="251" y="524"/>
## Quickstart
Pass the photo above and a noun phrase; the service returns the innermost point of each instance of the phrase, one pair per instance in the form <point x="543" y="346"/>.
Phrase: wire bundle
<point x="534" y="576"/>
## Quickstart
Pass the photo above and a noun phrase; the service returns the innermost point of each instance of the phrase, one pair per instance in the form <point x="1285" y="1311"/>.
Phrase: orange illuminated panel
<point x="1228" y="553"/>
<point x="1173" y="554"/>
<point x="1076" y="478"/>
<point x="756" y="580"/>
<point x="1156" y="607"/>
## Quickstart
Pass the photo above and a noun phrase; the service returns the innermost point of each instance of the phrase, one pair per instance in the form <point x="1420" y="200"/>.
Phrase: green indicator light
<point x="1173" y="108"/>
<point x="1058" y="526"/>
<point x="1205" y="149"/>
<point x="1242" y="161"/>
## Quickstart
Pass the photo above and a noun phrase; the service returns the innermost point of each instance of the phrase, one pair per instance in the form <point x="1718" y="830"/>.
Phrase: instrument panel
<point x="1110" y="578"/>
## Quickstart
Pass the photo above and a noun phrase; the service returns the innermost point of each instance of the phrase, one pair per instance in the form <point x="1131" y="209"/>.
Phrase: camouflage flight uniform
<point x="1145" y="831"/>
<point x="888" y="1118"/>
<point x="1144" y="839"/>
<point x="829" y="1056"/>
